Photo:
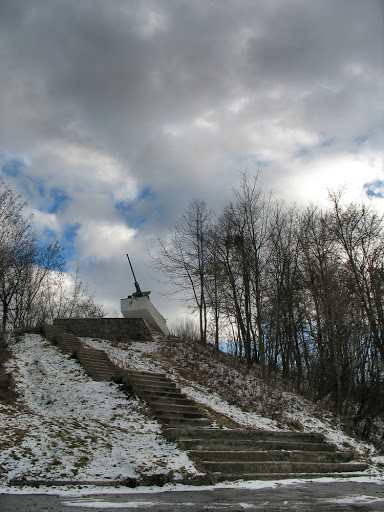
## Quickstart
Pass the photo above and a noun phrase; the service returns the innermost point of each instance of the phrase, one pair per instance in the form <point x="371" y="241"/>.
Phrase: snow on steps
<point x="257" y="454"/>
<point x="224" y="454"/>
<point x="95" y="362"/>
<point x="160" y="393"/>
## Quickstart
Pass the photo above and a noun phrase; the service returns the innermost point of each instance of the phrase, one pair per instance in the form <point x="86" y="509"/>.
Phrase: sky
<point x="115" y="115"/>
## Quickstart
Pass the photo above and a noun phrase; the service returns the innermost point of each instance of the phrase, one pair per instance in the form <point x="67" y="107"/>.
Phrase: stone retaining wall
<point x="114" y="329"/>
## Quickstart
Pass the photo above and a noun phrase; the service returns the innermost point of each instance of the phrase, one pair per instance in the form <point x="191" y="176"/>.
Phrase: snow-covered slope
<point x="66" y="426"/>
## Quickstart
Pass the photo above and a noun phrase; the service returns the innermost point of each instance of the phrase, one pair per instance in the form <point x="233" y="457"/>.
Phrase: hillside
<point x="65" y="426"/>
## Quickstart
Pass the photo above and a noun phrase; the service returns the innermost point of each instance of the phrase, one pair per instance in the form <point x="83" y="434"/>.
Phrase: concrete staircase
<point x="95" y="362"/>
<point x="67" y="342"/>
<point x="263" y="455"/>
<point x="232" y="454"/>
<point x="223" y="454"/>
<point x="168" y="405"/>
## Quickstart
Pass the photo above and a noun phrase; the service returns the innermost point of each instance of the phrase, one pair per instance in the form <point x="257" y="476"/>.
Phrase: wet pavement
<point x="303" y="496"/>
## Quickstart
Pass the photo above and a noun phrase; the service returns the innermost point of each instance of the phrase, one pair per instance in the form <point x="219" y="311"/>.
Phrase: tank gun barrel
<point x="138" y="292"/>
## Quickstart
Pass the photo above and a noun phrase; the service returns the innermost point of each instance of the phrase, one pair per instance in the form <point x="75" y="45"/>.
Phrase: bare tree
<point x="65" y="295"/>
<point x="32" y="274"/>
<point x="359" y="231"/>
<point x="284" y="319"/>
<point x="24" y="261"/>
<point x="183" y="257"/>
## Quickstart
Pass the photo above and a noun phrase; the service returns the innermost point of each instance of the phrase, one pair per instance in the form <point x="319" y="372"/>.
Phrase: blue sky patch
<point x="374" y="188"/>
<point x="33" y="188"/>
<point x="58" y="197"/>
<point x="146" y="193"/>
<point x="12" y="167"/>
<point x="68" y="240"/>
<point x="136" y="212"/>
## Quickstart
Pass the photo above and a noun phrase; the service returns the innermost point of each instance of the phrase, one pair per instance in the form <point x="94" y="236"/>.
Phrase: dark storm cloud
<point x="116" y="71"/>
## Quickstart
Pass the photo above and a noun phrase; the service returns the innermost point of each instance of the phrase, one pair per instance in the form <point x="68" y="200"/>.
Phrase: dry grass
<point x="8" y="394"/>
<point x="228" y="378"/>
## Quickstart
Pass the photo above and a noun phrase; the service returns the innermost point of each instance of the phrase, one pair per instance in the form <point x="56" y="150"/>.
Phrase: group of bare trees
<point x="34" y="286"/>
<point x="299" y="291"/>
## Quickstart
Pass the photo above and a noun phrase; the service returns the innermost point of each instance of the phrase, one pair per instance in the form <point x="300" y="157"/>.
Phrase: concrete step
<point x="159" y="386"/>
<point x="169" y="407"/>
<point x="97" y="374"/>
<point x="170" y="401"/>
<point x="139" y="373"/>
<point x="176" y="415"/>
<point x="281" y="467"/>
<point x="98" y="369"/>
<point x="89" y="354"/>
<point x="148" y="393"/>
<point x="99" y="377"/>
<point x="281" y="476"/>
<point x="104" y="367"/>
<point x="153" y="396"/>
<point x="271" y="455"/>
<point x="67" y="342"/>
<point x="95" y="358"/>
<point x="180" y="422"/>
<point x="96" y="363"/>
<point x="135" y="376"/>
<point x="94" y="352"/>
<point x="242" y="445"/>
<point x="149" y="379"/>
<point x="244" y="434"/>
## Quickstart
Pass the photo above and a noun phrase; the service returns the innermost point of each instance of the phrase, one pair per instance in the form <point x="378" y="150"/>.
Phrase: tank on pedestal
<point x="138" y="305"/>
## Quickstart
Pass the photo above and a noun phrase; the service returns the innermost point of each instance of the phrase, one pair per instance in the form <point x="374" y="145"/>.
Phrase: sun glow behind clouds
<point x="314" y="178"/>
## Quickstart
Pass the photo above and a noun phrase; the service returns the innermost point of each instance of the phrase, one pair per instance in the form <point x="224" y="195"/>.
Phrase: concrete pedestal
<point x="142" y="307"/>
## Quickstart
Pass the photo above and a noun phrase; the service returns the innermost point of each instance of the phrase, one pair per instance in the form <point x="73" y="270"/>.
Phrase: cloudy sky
<point x="115" y="114"/>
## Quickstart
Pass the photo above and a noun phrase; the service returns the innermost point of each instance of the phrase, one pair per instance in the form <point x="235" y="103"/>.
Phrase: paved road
<point x="310" y="496"/>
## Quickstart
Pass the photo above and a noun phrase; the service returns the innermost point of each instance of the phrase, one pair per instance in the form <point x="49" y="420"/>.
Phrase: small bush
<point x="185" y="328"/>
<point x="8" y="393"/>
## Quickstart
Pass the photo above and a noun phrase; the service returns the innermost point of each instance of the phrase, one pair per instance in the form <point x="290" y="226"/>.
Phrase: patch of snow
<point x="365" y="500"/>
<point x="86" y="491"/>
<point x="108" y="504"/>
<point x="67" y="426"/>
<point x="212" y="400"/>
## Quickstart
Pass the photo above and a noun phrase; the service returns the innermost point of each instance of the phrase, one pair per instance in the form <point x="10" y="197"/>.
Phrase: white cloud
<point x="90" y="168"/>
<point x="100" y="240"/>
<point x="43" y="221"/>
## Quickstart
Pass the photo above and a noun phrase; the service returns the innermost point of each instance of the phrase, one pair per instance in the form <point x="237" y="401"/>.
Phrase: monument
<point x="138" y="305"/>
